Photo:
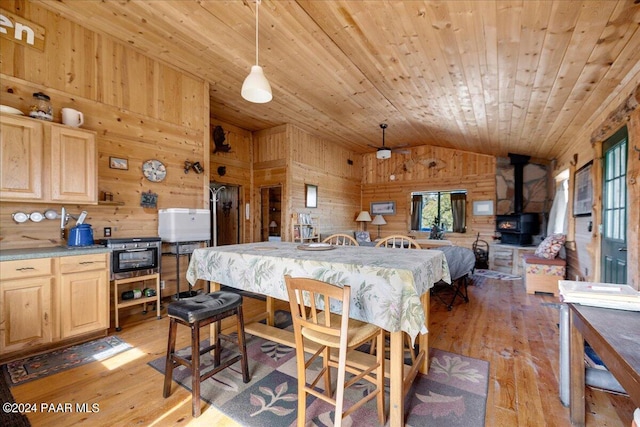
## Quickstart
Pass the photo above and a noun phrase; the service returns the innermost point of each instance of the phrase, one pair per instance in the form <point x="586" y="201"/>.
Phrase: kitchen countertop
<point x="51" y="252"/>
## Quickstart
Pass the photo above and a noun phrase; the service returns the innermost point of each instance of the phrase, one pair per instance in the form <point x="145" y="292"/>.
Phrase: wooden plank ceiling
<point x="486" y="76"/>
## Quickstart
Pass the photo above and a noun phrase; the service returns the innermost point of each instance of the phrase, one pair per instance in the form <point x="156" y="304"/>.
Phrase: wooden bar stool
<point x="195" y="313"/>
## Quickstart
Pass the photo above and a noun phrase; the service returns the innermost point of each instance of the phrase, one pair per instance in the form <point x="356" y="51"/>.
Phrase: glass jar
<point x="41" y="107"/>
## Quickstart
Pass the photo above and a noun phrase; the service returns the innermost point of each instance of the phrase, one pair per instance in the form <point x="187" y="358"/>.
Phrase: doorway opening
<point x="224" y="203"/>
<point x="271" y="218"/>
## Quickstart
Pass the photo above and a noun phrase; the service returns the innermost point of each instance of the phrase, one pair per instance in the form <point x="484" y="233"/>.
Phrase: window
<point x="444" y="209"/>
<point x="558" y="220"/>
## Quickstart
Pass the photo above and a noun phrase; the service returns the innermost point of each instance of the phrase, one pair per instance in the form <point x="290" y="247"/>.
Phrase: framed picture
<point x="483" y="207"/>
<point x="583" y="191"/>
<point x="149" y="200"/>
<point x="383" y="208"/>
<point x="117" y="163"/>
<point x="311" y="196"/>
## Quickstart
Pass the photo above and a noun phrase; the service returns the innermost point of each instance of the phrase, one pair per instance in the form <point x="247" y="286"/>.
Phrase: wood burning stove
<point x="517" y="229"/>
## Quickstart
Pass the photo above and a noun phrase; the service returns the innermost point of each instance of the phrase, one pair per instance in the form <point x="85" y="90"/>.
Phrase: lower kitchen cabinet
<point x="44" y="301"/>
<point x="84" y="294"/>
<point x="26" y="316"/>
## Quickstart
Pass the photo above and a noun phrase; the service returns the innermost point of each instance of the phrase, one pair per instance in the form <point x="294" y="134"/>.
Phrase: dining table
<point x="390" y="288"/>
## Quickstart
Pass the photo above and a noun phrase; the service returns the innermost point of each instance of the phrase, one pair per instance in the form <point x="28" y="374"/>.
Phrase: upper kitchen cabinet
<point x="73" y="163"/>
<point x="21" y="162"/>
<point x="47" y="162"/>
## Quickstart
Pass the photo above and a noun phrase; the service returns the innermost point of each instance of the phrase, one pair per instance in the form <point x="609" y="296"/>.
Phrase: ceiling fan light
<point x="256" y="87"/>
<point x="383" y="153"/>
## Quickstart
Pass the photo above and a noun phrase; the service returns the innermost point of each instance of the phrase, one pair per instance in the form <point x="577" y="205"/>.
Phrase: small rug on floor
<point x="454" y="393"/>
<point x="42" y="365"/>
<point x="497" y="275"/>
<point x="10" y="417"/>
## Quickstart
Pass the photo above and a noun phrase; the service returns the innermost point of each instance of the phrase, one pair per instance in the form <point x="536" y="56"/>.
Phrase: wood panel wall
<point x="633" y="205"/>
<point x="337" y="173"/>
<point x="290" y="157"/>
<point x="429" y="168"/>
<point x="140" y="109"/>
<point x="237" y="163"/>
<point x="583" y="246"/>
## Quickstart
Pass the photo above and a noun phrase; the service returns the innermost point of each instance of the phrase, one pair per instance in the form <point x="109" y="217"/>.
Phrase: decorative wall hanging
<point x="154" y="170"/>
<point x="383" y="208"/>
<point x="414" y="164"/>
<point x="19" y="30"/>
<point x="197" y="167"/>
<point x="117" y="163"/>
<point x="483" y="207"/>
<point x="218" y="139"/>
<point x="583" y="191"/>
<point x="149" y="200"/>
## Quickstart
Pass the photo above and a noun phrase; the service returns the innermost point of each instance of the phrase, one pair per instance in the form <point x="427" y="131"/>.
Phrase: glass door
<point x="614" y="209"/>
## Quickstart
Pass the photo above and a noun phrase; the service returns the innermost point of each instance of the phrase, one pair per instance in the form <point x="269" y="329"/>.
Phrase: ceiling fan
<point x="384" y="152"/>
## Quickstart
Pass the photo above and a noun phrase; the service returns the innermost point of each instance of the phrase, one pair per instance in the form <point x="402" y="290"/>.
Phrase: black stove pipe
<point x="518" y="161"/>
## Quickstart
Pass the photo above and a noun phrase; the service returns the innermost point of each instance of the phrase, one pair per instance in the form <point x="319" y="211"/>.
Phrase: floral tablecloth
<point x="386" y="284"/>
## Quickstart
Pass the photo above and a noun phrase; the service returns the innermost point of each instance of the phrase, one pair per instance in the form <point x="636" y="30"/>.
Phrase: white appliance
<point x="184" y="225"/>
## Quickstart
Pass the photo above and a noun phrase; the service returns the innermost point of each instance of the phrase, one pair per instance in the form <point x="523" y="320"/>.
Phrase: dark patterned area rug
<point x="9" y="416"/>
<point x="454" y="392"/>
<point x="36" y="367"/>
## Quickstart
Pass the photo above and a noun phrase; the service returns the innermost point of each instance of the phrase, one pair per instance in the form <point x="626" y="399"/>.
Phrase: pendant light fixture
<point x="256" y="87"/>
<point x="383" y="152"/>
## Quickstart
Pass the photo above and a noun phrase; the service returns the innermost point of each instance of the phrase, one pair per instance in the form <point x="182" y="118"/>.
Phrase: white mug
<point x="71" y="117"/>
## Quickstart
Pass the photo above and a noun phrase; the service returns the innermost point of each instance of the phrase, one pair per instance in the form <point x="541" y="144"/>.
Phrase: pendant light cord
<point x="257" y="10"/>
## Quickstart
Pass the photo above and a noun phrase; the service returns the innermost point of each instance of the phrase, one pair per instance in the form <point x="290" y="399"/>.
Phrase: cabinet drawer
<point x="74" y="264"/>
<point x="26" y="268"/>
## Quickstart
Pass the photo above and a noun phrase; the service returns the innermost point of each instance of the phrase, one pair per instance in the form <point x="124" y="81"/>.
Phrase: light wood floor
<point x="517" y="333"/>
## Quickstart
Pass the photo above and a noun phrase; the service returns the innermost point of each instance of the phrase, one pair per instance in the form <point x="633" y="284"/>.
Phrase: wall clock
<point x="154" y="170"/>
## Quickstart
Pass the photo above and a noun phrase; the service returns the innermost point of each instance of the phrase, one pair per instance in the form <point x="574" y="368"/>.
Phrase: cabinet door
<point x="25" y="313"/>
<point x="74" y="173"/>
<point x="84" y="295"/>
<point x="21" y="154"/>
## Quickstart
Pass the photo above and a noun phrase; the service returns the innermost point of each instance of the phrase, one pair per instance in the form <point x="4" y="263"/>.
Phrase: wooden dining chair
<point x="313" y="328"/>
<point x="398" y="241"/>
<point x="340" y="239"/>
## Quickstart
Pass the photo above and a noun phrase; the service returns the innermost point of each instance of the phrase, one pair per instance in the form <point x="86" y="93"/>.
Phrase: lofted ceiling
<point x="485" y="76"/>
